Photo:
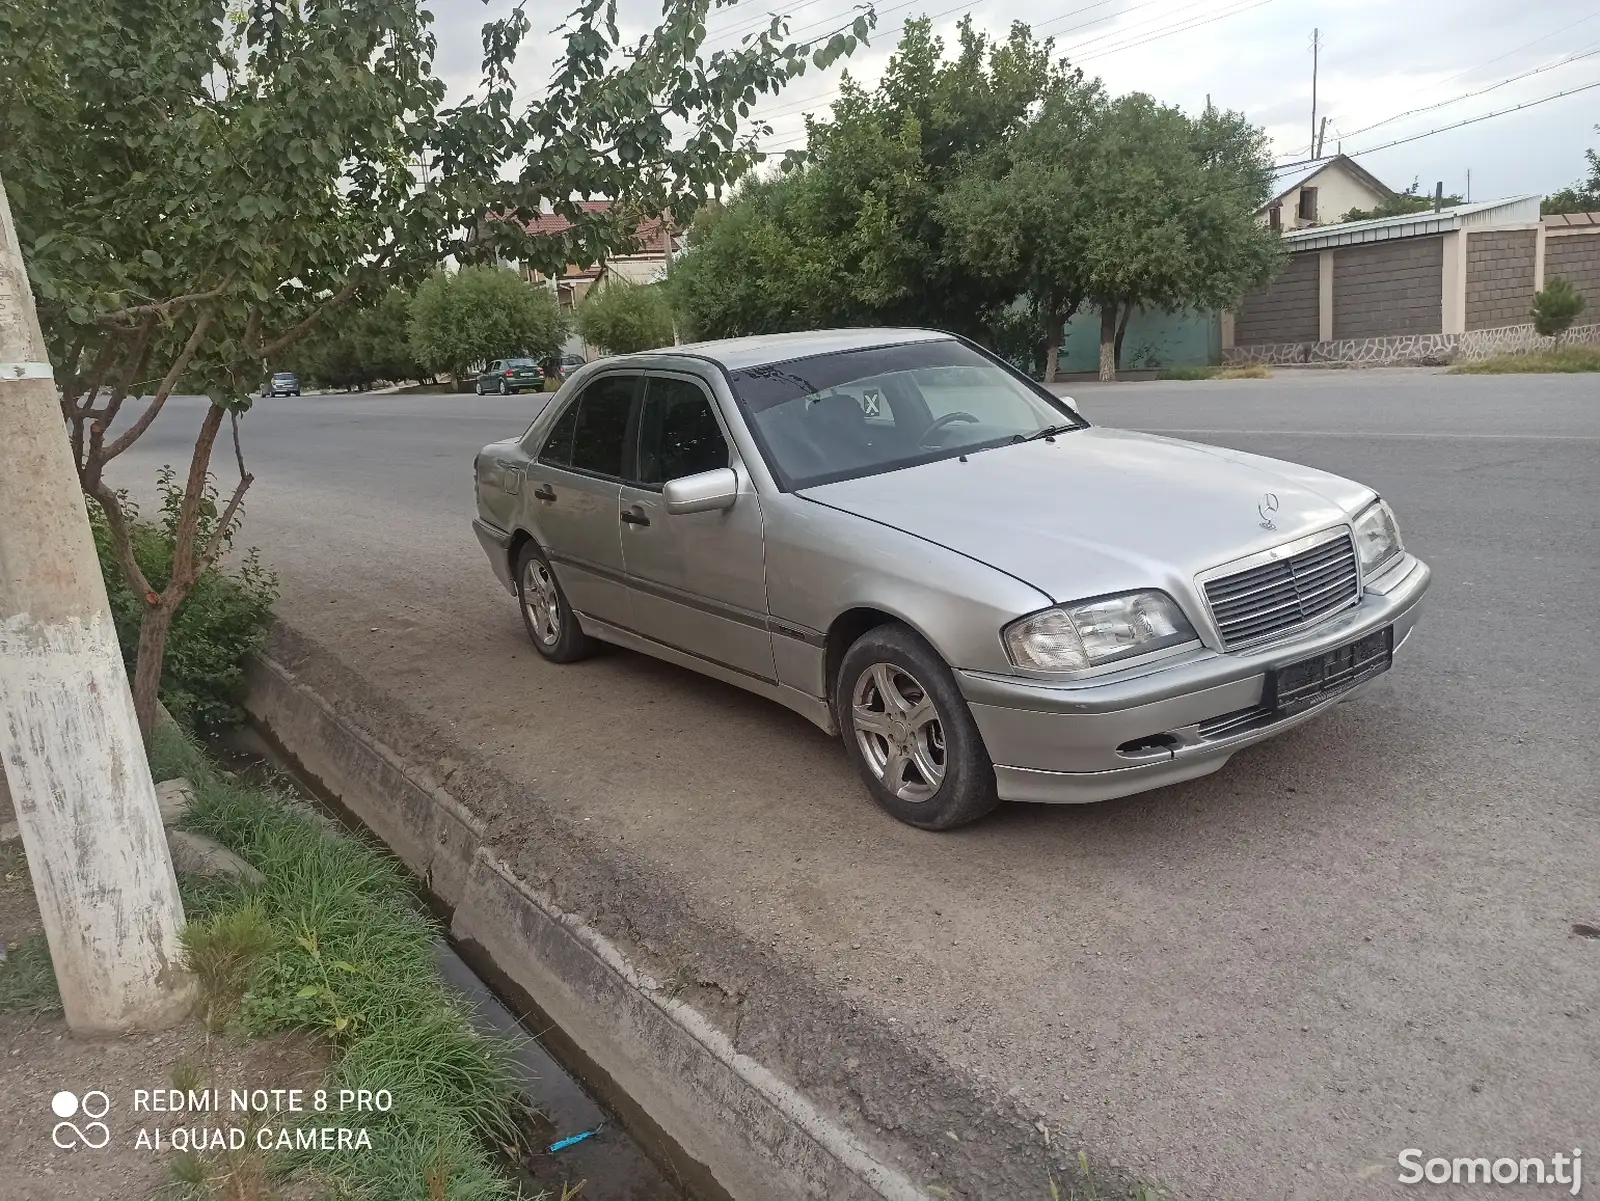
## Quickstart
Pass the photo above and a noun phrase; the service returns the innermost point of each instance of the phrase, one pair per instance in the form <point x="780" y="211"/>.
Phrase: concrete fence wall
<point x="1422" y="299"/>
<point x="1576" y="257"/>
<point x="1285" y="310"/>
<point x="1388" y="289"/>
<point x="1500" y="277"/>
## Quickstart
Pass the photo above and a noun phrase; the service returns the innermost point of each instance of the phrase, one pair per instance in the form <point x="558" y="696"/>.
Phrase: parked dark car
<point x="282" y="383"/>
<point x="567" y="364"/>
<point x="507" y="376"/>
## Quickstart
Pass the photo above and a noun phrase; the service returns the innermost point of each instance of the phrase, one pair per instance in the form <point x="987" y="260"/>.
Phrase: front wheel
<point x="909" y="732"/>
<point x="549" y="620"/>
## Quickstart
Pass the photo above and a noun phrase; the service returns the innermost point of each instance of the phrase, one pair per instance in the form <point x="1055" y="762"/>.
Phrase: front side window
<point x="678" y="432"/>
<point x="860" y="412"/>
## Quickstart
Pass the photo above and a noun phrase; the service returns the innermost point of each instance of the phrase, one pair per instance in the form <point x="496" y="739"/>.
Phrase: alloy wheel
<point x="899" y="731"/>
<point x="542" y="601"/>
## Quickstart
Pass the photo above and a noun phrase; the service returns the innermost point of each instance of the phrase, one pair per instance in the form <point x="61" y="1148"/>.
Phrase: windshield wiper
<point x="1049" y="431"/>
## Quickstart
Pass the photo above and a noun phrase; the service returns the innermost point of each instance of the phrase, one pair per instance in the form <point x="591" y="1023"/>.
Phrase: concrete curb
<point x="781" y="1087"/>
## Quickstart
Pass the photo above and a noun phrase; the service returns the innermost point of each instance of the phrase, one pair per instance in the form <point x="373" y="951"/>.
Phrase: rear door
<point x="574" y="490"/>
<point x="698" y="579"/>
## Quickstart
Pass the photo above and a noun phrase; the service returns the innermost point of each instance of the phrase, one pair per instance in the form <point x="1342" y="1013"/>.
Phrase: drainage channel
<point x="584" y="1138"/>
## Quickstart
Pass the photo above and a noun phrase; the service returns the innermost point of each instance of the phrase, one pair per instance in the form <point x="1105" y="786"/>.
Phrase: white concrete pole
<point x="69" y="740"/>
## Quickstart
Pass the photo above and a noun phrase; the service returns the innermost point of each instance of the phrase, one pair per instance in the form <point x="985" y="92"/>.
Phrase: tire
<point x="477" y="387"/>
<point x="502" y="387"/>
<point x="553" y="630"/>
<point x="939" y="775"/>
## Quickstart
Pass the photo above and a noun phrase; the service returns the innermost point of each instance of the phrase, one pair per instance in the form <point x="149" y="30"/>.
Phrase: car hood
<point x="1102" y="510"/>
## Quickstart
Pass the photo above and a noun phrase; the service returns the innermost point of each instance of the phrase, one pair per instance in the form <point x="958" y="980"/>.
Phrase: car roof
<point x="761" y="349"/>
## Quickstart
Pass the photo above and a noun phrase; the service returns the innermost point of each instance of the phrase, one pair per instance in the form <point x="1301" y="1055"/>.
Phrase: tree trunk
<point x="154" y="627"/>
<point x="1108" y="341"/>
<point x="1054" y="325"/>
<point x="1122" y="329"/>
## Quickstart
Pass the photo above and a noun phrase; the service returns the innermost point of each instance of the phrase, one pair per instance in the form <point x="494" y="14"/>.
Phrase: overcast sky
<point x="1379" y="59"/>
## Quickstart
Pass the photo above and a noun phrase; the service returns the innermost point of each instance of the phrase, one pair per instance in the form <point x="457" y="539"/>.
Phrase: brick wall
<point x="1576" y="257"/>
<point x="1388" y="288"/>
<point x="1285" y="310"/>
<point x="1500" y="277"/>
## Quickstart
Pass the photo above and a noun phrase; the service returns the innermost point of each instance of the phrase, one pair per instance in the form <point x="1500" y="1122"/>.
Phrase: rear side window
<point x="601" y="430"/>
<point x="557" y="450"/>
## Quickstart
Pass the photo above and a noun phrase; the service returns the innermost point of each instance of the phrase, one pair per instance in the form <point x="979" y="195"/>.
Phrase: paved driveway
<point x="1355" y="939"/>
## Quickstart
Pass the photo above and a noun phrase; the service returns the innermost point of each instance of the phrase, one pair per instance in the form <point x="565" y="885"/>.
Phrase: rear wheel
<point x="909" y="732"/>
<point x="549" y="620"/>
<point x="502" y="387"/>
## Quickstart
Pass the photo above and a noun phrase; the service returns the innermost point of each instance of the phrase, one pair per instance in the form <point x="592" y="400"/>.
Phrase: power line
<point x="1428" y="108"/>
<point x="1156" y="37"/>
<point x="1474" y="120"/>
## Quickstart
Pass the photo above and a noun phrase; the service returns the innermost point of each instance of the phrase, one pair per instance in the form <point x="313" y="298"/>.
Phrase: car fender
<point x="823" y="563"/>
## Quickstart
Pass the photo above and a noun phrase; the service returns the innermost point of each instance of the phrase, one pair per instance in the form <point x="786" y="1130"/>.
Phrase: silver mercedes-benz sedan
<point x="897" y="535"/>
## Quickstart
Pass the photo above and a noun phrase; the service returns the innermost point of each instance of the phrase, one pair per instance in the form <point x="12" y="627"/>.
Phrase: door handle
<point x="634" y="517"/>
<point x="545" y="492"/>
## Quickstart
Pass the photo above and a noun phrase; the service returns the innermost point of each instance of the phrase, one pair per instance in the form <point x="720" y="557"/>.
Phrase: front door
<point x="573" y="494"/>
<point x="698" y="579"/>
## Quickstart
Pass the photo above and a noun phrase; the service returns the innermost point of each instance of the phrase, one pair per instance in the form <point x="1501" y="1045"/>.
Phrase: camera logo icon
<point x="93" y="1134"/>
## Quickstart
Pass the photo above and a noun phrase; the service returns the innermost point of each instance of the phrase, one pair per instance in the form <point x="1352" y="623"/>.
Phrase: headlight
<point x="1377" y="538"/>
<point x="1086" y="634"/>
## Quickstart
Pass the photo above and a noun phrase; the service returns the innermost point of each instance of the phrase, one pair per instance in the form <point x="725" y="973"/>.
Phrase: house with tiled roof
<point x="646" y="263"/>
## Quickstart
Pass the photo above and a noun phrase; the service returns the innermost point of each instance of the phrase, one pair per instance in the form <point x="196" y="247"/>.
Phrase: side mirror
<point x="701" y="493"/>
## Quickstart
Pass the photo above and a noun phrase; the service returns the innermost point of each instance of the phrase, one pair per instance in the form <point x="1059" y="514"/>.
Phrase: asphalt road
<point x="1355" y="939"/>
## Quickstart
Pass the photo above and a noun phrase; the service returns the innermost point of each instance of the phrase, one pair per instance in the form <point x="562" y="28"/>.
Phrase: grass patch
<point x="1244" y="371"/>
<point x="333" y="943"/>
<point x="27" y="981"/>
<point x="1558" y="359"/>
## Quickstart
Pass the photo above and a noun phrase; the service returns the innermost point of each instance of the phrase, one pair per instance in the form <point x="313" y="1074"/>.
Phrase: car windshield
<point x="284" y="375"/>
<point x="860" y="412"/>
<point x="520" y="363"/>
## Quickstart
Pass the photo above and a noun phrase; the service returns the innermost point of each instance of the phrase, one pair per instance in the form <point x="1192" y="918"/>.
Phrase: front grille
<point x="1285" y="593"/>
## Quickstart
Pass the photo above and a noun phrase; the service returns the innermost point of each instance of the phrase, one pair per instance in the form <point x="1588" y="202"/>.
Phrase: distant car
<point x="568" y="363"/>
<point x="283" y="383"/>
<point x="508" y="376"/>
<point x="915" y="546"/>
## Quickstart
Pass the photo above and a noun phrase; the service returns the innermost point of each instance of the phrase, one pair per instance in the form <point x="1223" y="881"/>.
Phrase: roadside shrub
<point x="624" y="317"/>
<point x="459" y="320"/>
<point x="1556" y="307"/>
<point x="216" y="629"/>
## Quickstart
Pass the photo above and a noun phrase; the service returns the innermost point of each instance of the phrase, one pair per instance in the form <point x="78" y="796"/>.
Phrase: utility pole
<point x="1322" y="133"/>
<point x="1316" y="48"/>
<point x="69" y="740"/>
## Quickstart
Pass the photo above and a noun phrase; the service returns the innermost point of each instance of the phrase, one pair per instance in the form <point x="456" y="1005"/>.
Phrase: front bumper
<point x="1059" y="742"/>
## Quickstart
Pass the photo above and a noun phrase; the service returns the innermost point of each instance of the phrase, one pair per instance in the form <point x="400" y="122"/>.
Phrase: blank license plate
<point x="1298" y="686"/>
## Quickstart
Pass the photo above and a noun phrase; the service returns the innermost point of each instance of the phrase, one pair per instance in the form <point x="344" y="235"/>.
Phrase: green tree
<point x="462" y="319"/>
<point x="1401" y="203"/>
<point x="1556" y="307"/>
<point x="624" y="317"/>
<point x="359" y="346"/>
<point x="856" y="235"/>
<point x="1580" y="197"/>
<point x="1168" y="214"/>
<point x="1017" y="214"/>
<point x="196" y="185"/>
